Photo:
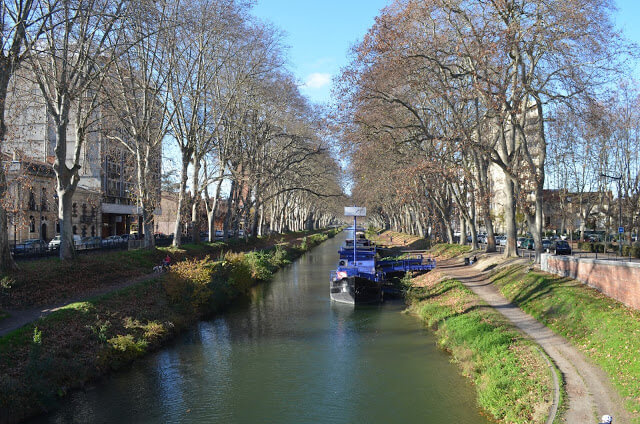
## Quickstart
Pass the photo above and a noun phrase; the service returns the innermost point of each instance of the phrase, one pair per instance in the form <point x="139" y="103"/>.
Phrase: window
<point x="75" y="230"/>
<point x="32" y="201"/>
<point x="43" y="200"/>
<point x="32" y="224"/>
<point x="84" y="231"/>
<point x="93" y="231"/>
<point x="75" y="210"/>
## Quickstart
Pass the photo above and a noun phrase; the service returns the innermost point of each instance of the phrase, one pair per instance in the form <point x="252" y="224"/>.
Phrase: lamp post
<point x="619" y="180"/>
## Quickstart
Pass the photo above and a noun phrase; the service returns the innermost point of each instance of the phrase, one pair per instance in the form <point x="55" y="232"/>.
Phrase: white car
<point x="54" y="244"/>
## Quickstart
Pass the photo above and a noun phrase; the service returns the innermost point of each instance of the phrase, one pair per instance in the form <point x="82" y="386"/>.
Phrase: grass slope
<point x="511" y="377"/>
<point x="604" y="329"/>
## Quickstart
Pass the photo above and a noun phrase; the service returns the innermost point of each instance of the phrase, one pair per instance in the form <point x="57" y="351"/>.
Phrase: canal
<point x="288" y="355"/>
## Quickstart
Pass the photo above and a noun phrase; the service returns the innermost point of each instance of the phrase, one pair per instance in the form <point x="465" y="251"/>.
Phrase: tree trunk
<point x="67" y="180"/>
<point x="511" y="249"/>
<point x="145" y="196"/>
<point x="177" y="239"/>
<point x="195" y="202"/>
<point x="65" y="212"/>
<point x="6" y="260"/>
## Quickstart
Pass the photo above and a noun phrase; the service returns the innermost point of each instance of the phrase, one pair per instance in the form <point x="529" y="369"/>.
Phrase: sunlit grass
<point x="604" y="329"/>
<point x="446" y="251"/>
<point x="511" y="377"/>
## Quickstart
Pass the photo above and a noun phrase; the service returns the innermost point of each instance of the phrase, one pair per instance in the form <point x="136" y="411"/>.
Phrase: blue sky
<point x="319" y="34"/>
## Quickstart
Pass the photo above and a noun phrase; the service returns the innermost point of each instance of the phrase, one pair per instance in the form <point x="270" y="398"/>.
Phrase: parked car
<point x="54" y="244"/>
<point x="519" y="241"/>
<point x="560" y="247"/>
<point x="126" y="237"/>
<point x="30" y="246"/>
<point x="545" y="244"/>
<point x="501" y="240"/>
<point x="90" y="243"/>
<point x="111" y="241"/>
<point x="219" y="233"/>
<point x="528" y="244"/>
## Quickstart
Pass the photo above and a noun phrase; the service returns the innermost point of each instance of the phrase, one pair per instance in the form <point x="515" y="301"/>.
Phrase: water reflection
<point x="288" y="355"/>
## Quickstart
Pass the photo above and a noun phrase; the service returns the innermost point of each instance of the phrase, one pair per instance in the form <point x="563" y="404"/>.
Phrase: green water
<point x="288" y="355"/>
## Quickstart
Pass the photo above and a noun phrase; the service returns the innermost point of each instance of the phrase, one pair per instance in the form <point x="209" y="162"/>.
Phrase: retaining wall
<point x="619" y="280"/>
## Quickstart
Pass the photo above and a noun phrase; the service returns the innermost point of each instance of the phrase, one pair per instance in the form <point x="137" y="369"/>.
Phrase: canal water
<point x="288" y="355"/>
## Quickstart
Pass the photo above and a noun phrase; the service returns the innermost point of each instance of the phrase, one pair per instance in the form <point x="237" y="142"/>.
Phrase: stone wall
<point x="619" y="280"/>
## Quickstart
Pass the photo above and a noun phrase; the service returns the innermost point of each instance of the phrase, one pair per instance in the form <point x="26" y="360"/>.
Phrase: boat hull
<point x="355" y="290"/>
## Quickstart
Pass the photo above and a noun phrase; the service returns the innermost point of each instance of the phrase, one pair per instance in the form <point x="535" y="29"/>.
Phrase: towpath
<point x="589" y="390"/>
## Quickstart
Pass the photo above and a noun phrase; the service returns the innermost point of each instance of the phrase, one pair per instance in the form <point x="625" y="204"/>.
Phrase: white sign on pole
<point x="355" y="211"/>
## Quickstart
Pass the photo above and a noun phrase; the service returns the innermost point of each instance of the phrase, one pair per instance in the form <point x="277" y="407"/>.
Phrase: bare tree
<point x="21" y="25"/>
<point x="138" y="96"/>
<point x="70" y="65"/>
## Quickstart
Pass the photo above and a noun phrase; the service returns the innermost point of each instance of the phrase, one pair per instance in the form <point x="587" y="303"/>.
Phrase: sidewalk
<point x="589" y="392"/>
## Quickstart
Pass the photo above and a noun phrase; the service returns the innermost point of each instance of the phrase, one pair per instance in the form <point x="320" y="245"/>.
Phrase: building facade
<point x="104" y="203"/>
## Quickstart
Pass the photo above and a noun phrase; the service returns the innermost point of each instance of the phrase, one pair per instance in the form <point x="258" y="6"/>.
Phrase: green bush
<point x="239" y="272"/>
<point x="633" y="251"/>
<point x="591" y="247"/>
<point x="279" y="257"/>
<point x="260" y="265"/>
<point x="189" y="283"/>
<point x="124" y="349"/>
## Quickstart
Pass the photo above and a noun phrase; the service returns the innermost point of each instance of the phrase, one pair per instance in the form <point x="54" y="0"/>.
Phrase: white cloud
<point x="317" y="80"/>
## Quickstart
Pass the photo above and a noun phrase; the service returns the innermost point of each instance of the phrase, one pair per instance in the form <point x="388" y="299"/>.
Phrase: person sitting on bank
<point x="166" y="262"/>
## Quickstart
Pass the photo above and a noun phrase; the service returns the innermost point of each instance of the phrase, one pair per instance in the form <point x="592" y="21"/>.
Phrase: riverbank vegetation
<point x="511" y="377"/>
<point x="30" y="287"/>
<point x="42" y="361"/>
<point x="605" y="330"/>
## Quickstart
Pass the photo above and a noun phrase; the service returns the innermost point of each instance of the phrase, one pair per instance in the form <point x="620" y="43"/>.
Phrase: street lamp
<point x="619" y="180"/>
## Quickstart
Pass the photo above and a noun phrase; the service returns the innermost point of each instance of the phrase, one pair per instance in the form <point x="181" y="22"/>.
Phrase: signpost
<point x="355" y="212"/>
<point x="621" y="230"/>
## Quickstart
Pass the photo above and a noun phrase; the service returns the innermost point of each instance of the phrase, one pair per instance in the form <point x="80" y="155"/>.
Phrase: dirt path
<point x="19" y="318"/>
<point x="589" y="391"/>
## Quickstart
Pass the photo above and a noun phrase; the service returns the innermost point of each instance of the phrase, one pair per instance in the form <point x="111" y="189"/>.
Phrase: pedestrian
<point x="166" y="262"/>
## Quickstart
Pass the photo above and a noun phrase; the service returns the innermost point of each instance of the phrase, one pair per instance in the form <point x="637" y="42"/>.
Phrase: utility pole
<point x="619" y="180"/>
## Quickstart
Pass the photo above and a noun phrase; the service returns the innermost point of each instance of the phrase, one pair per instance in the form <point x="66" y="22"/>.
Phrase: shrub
<point x="189" y="283"/>
<point x="260" y="265"/>
<point x="633" y="251"/>
<point x="124" y="349"/>
<point x="240" y="275"/>
<point x="279" y="257"/>
<point x="303" y="244"/>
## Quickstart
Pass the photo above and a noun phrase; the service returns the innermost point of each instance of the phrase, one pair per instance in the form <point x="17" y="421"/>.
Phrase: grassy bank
<point x="511" y="377"/>
<point x="41" y="362"/>
<point x="31" y="287"/>
<point x="605" y="330"/>
<point x="447" y="251"/>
